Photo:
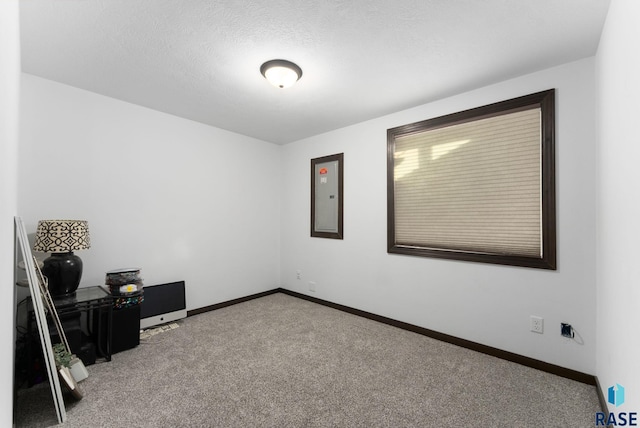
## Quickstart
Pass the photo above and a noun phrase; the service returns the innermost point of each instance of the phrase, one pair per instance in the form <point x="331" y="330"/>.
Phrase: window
<point x="477" y="185"/>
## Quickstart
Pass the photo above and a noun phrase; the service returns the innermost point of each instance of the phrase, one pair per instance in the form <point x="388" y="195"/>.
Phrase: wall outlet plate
<point x="536" y="324"/>
<point x="312" y="286"/>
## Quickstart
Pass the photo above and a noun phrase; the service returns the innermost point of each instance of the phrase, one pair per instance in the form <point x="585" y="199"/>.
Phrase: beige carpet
<point x="280" y="361"/>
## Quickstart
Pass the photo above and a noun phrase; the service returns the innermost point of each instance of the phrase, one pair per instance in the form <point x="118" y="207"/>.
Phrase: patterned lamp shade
<point x="62" y="236"/>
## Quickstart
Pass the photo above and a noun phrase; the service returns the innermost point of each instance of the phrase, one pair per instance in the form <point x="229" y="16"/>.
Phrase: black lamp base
<point x="64" y="271"/>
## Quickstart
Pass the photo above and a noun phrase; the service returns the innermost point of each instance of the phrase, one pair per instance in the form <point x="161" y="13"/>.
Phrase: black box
<point x="87" y="352"/>
<point x="72" y="331"/>
<point x="125" y="324"/>
<point x="125" y="332"/>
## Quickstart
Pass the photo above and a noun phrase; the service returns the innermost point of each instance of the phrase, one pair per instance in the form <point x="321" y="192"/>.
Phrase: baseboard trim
<point x="474" y="346"/>
<point x="231" y="302"/>
<point x="602" y="400"/>
<point x="495" y="352"/>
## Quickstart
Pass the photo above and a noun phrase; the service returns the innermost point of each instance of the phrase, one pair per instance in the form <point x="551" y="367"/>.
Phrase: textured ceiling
<point x="200" y="59"/>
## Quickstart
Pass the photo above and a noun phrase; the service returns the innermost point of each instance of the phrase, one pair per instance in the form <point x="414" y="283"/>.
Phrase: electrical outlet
<point x="312" y="286"/>
<point x="566" y="330"/>
<point x="536" y="324"/>
<point x="298" y="274"/>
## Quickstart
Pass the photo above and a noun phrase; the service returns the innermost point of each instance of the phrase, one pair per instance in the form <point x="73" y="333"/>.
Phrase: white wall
<point x="9" y="102"/>
<point x="618" y="313"/>
<point x="178" y="199"/>
<point x="488" y="304"/>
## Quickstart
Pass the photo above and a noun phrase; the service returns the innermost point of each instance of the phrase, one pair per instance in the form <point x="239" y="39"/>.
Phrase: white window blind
<point x="473" y="187"/>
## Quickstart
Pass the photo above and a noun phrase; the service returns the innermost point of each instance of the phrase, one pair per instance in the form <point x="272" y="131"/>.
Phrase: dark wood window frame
<point x="545" y="101"/>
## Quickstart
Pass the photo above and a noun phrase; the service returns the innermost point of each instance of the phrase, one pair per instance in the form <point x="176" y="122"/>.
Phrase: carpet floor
<point x="280" y="361"/>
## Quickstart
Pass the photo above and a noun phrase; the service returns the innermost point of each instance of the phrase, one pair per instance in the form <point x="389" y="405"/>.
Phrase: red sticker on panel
<point x="323" y="171"/>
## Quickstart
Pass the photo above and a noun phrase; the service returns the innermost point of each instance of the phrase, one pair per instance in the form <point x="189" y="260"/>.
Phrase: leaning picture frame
<point x="40" y="315"/>
<point x="327" y="199"/>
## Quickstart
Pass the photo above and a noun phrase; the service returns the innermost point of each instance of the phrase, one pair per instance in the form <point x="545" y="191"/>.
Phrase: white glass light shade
<point x="281" y="73"/>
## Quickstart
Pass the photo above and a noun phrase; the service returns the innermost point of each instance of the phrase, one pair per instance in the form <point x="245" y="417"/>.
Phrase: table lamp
<point x="61" y="238"/>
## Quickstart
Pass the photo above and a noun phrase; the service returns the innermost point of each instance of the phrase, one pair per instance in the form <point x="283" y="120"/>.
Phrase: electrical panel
<point x="326" y="196"/>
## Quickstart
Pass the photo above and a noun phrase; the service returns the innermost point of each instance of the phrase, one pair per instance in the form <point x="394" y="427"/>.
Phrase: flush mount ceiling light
<point x="281" y="73"/>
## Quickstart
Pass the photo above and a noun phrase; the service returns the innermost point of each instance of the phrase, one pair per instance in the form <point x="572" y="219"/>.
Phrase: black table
<point x="96" y="303"/>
